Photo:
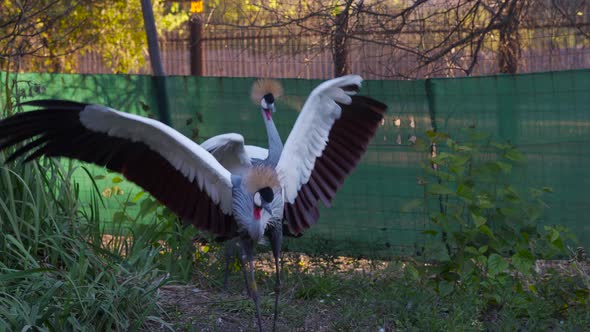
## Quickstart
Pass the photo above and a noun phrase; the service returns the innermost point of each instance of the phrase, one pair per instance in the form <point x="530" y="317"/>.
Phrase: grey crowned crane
<point x="230" y="151"/>
<point x="327" y="141"/>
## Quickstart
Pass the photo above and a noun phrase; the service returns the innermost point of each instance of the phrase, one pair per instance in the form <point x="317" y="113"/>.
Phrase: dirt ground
<point x="197" y="308"/>
<point x="193" y="308"/>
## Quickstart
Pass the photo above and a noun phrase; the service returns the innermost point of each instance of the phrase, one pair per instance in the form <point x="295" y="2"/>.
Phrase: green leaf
<point x="478" y="220"/>
<point x="472" y="250"/>
<point x="483" y="249"/>
<point x="523" y="261"/>
<point x="465" y="191"/>
<point x="99" y="177"/>
<point x="514" y="155"/>
<point x="117" y="179"/>
<point x="533" y="288"/>
<point x="496" y="264"/>
<point x="138" y="196"/>
<point x="439" y="189"/>
<point x="501" y="146"/>
<point x="552" y="234"/>
<point x="484" y="202"/>
<point x="442" y="158"/>
<point x="464" y="148"/>
<point x="486" y="230"/>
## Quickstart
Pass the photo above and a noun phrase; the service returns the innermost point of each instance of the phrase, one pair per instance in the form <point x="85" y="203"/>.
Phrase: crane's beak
<point x="267" y="208"/>
<point x="268" y="111"/>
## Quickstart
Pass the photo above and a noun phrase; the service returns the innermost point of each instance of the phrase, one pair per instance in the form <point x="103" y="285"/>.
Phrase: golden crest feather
<point x="265" y="86"/>
<point x="261" y="176"/>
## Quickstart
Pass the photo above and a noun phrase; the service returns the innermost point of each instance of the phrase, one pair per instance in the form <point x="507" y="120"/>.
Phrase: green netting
<point x="546" y="115"/>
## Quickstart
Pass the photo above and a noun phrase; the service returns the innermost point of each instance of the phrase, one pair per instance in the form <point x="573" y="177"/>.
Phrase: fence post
<point x="196" y="45"/>
<point x="159" y="78"/>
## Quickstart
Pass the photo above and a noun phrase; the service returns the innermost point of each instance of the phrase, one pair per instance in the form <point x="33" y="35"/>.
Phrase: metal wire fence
<point x="281" y="54"/>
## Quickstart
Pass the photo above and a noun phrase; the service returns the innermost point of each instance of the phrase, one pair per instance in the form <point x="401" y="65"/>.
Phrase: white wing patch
<point x="309" y="135"/>
<point x="230" y="152"/>
<point x="188" y="157"/>
<point x="256" y="152"/>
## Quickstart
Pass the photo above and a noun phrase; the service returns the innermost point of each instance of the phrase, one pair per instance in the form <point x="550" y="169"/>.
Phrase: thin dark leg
<point x="242" y="257"/>
<point x="276" y="239"/>
<point x="230" y="247"/>
<point x="247" y="249"/>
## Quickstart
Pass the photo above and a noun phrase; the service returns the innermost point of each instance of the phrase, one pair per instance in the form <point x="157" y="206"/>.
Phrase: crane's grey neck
<point x="275" y="145"/>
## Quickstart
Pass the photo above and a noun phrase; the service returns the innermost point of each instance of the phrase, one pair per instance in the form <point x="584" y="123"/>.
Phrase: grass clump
<point x="55" y="273"/>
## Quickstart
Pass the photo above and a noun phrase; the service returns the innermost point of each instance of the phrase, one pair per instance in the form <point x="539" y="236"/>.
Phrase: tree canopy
<point x="38" y="34"/>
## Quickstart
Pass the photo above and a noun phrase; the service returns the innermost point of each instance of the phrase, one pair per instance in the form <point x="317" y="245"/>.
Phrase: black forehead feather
<point x="269" y="98"/>
<point x="267" y="194"/>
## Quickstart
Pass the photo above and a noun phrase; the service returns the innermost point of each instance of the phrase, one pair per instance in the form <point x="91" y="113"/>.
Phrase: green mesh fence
<point x="546" y="115"/>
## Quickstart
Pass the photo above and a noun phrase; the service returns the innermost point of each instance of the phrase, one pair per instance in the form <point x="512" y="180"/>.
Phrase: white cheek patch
<point x="257" y="199"/>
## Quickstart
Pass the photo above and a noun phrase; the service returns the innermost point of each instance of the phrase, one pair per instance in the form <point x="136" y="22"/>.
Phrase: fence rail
<point x="276" y="53"/>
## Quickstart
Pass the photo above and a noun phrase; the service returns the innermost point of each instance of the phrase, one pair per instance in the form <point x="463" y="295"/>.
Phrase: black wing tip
<point x="374" y="104"/>
<point x="352" y="87"/>
<point x="55" y="104"/>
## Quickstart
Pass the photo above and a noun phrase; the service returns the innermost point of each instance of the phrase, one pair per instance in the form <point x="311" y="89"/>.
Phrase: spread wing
<point x="174" y="169"/>
<point x="328" y="140"/>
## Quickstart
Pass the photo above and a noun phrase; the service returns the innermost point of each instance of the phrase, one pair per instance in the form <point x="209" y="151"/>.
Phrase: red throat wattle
<point x="257" y="212"/>
<point x="268" y="114"/>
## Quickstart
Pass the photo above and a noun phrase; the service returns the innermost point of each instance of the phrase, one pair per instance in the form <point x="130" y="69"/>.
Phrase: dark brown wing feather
<point x="347" y="142"/>
<point x="56" y="130"/>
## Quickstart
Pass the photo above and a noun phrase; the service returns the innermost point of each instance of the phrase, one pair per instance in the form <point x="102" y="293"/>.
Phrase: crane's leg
<point x="248" y="254"/>
<point x="276" y="240"/>
<point x="230" y="247"/>
<point x="244" y="265"/>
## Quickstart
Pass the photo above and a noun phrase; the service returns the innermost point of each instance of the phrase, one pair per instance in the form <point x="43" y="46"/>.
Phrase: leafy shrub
<point x="485" y="227"/>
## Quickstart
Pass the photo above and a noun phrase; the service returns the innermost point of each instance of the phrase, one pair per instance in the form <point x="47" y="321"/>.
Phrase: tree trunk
<point x="196" y="46"/>
<point x="509" y="48"/>
<point x="339" y="44"/>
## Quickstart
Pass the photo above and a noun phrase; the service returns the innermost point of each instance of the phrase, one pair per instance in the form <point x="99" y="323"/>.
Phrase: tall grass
<point x="55" y="273"/>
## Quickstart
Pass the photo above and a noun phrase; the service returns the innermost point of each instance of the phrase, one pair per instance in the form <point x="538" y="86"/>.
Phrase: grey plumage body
<point x="231" y="154"/>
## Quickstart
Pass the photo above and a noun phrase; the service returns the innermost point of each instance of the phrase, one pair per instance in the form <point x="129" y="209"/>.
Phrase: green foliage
<point x="485" y="226"/>
<point x="112" y="29"/>
<point x="55" y="274"/>
<point x="481" y="213"/>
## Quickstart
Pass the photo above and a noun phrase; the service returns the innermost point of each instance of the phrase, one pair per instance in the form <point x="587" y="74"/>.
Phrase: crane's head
<point x="258" y="199"/>
<point x="265" y="91"/>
